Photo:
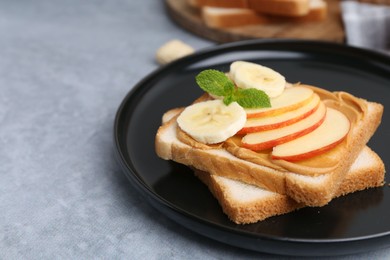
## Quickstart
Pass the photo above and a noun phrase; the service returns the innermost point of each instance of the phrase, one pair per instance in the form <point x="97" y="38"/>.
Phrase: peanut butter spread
<point x="354" y="108"/>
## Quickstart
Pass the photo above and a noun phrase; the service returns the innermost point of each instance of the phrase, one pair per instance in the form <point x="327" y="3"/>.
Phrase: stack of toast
<point x="235" y="13"/>
<point x="251" y="183"/>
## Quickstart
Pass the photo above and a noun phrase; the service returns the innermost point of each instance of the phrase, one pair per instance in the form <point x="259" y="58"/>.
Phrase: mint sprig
<point x="217" y="83"/>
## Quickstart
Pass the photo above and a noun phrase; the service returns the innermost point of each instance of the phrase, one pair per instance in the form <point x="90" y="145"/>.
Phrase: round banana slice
<point x="212" y="121"/>
<point x="252" y="75"/>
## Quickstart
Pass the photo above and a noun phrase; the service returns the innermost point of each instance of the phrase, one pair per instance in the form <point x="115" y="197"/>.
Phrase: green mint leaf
<point x="228" y="99"/>
<point x="251" y="98"/>
<point x="229" y="87"/>
<point x="215" y="82"/>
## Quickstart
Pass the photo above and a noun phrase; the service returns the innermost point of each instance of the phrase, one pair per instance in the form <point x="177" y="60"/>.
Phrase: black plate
<point x="351" y="224"/>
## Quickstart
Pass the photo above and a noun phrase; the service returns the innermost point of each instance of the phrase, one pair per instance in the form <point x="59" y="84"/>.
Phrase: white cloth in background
<point x="367" y="25"/>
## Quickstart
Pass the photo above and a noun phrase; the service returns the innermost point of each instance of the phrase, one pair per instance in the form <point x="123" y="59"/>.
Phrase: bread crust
<point x="233" y="18"/>
<point x="367" y="172"/>
<point x="292" y="8"/>
<point x="250" y="212"/>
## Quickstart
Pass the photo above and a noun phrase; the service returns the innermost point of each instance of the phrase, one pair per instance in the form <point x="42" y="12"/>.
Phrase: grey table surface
<point x="65" y="66"/>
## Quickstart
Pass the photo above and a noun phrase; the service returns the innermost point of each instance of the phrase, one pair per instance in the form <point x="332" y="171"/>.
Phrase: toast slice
<point x="220" y="17"/>
<point x="280" y="7"/>
<point x="244" y="203"/>
<point x="276" y="7"/>
<point x="309" y="190"/>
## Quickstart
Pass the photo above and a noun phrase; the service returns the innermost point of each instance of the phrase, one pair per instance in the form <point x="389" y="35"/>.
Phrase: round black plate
<point x="351" y="224"/>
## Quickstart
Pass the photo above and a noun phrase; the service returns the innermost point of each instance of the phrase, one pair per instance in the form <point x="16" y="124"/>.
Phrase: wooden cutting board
<point x="329" y="30"/>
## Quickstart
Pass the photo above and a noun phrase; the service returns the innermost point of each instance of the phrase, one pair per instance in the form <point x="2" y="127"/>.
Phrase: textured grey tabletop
<point x="65" y="66"/>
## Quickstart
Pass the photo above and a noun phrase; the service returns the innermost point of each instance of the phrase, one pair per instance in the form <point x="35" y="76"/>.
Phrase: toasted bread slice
<point x="244" y="203"/>
<point x="276" y="7"/>
<point x="280" y="7"/>
<point x="309" y="190"/>
<point x="221" y="17"/>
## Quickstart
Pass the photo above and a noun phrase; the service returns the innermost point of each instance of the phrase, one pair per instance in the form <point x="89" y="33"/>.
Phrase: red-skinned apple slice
<point x="268" y="139"/>
<point x="331" y="133"/>
<point x="271" y="122"/>
<point x="292" y="98"/>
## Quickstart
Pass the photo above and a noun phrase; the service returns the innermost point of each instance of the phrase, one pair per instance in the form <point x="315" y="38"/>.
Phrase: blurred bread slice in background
<point x="221" y="17"/>
<point x="280" y="7"/>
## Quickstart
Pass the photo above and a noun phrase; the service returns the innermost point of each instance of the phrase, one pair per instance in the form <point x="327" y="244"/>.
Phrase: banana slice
<point x="212" y="121"/>
<point x="252" y="75"/>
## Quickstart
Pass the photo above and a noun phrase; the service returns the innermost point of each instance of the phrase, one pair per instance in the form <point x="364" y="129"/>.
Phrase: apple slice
<point x="331" y="133"/>
<point x="271" y="122"/>
<point x="268" y="139"/>
<point x="291" y="98"/>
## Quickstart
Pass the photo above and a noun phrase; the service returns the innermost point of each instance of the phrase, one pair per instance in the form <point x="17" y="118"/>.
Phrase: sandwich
<point x="253" y="127"/>
<point x="244" y="203"/>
